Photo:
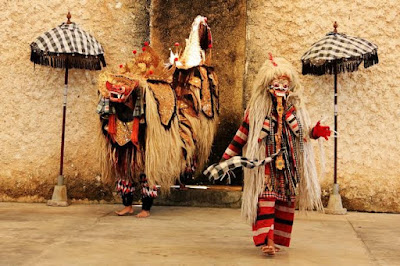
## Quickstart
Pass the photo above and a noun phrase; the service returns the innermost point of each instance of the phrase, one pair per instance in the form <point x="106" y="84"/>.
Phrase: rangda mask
<point x="279" y="87"/>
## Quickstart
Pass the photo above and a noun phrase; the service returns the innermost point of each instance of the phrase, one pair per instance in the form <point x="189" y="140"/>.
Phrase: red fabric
<point x="265" y="130"/>
<point x="135" y="131"/>
<point x="266" y="123"/>
<point x="290" y="111"/>
<point x="278" y="218"/>
<point x="283" y="222"/>
<point x="236" y="150"/>
<point x="238" y="141"/>
<point x="263" y="222"/>
<point x="112" y="125"/>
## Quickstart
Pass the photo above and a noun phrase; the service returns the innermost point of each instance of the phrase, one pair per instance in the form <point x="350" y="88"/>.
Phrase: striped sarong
<point x="274" y="221"/>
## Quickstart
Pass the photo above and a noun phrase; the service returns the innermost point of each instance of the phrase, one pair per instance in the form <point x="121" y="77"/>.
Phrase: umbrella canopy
<point x="68" y="40"/>
<point x="340" y="50"/>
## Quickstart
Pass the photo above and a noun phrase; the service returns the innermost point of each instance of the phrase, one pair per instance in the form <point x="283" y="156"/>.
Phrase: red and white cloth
<point x="274" y="221"/>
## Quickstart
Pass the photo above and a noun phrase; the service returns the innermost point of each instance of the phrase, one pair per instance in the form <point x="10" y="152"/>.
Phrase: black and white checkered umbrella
<point x="53" y="47"/>
<point x="333" y="54"/>
<point x="338" y="50"/>
<point x="66" y="46"/>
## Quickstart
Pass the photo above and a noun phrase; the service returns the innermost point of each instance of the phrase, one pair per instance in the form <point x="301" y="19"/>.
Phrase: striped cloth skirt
<point x="274" y="221"/>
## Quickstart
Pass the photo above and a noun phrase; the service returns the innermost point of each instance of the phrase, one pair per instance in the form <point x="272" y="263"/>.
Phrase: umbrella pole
<point x="335" y="200"/>
<point x="59" y="198"/>
<point x="336" y="130"/>
<point x="61" y="176"/>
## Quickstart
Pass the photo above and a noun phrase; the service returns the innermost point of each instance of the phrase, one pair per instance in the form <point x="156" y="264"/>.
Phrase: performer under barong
<point x="159" y="119"/>
<point x="278" y="157"/>
<point x="122" y="113"/>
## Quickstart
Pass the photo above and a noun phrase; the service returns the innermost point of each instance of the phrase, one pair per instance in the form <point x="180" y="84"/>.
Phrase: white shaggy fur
<point x="193" y="55"/>
<point x="163" y="147"/>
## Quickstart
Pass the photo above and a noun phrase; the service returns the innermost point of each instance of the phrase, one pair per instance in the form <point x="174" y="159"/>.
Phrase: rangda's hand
<point x="321" y="131"/>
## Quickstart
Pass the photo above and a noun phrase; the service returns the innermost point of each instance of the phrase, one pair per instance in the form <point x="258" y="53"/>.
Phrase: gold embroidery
<point x="166" y="101"/>
<point x="124" y="131"/>
<point x="206" y="105"/>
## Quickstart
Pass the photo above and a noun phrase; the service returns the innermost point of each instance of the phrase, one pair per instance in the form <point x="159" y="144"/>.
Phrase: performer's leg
<point x="284" y="216"/>
<point x="127" y="199"/>
<point x="263" y="228"/>
<point x="147" y="202"/>
<point x="125" y="188"/>
<point x="148" y="195"/>
<point x="185" y="176"/>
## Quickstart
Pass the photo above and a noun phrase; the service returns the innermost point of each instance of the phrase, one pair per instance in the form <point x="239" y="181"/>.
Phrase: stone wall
<point x="368" y="143"/>
<point x="31" y="108"/>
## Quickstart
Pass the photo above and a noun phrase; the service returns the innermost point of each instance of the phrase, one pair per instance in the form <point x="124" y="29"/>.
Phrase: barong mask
<point x="119" y="93"/>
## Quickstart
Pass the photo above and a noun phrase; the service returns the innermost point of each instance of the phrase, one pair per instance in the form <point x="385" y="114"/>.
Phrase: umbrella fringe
<point x="369" y="59"/>
<point x="76" y="61"/>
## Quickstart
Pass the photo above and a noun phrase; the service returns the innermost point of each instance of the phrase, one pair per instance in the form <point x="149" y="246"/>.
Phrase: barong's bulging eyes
<point x="119" y="92"/>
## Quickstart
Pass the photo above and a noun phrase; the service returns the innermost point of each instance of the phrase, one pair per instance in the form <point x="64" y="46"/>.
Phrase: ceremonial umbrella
<point x="333" y="54"/>
<point x="66" y="46"/>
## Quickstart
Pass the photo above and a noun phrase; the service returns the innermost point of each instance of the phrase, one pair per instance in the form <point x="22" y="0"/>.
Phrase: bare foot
<point x="143" y="214"/>
<point x="128" y="210"/>
<point x="270" y="249"/>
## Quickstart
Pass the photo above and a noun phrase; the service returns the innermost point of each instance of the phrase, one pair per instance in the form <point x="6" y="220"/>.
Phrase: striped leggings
<point x="274" y="221"/>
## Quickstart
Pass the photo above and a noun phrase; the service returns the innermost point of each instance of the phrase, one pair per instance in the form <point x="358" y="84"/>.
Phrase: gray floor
<point x="34" y="234"/>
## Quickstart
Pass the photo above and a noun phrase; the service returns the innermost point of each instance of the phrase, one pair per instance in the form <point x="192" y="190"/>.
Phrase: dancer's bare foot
<point x="143" y="214"/>
<point x="270" y="249"/>
<point x="271" y="243"/>
<point x="128" y="210"/>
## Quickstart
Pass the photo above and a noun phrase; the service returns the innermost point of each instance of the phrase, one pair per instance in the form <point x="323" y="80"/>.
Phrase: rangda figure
<point x="278" y="157"/>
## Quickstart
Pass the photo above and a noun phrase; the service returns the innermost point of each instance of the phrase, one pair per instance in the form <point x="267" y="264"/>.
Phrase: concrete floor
<point x="34" y="234"/>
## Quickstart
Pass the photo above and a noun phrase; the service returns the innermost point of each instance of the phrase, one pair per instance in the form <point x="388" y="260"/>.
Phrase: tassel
<point x="342" y="66"/>
<point x="77" y="61"/>
<point x="112" y="125"/>
<point x="135" y="131"/>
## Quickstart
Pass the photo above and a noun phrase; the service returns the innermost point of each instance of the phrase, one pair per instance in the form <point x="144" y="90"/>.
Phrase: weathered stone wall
<point x="31" y="108"/>
<point x="369" y="150"/>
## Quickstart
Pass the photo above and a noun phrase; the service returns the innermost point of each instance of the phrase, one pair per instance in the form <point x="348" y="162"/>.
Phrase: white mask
<point x="279" y="87"/>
